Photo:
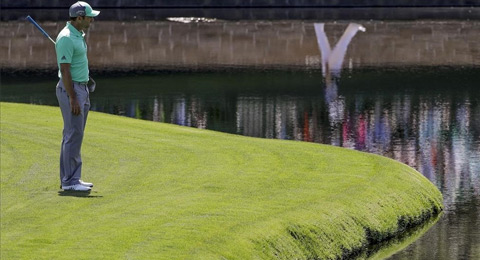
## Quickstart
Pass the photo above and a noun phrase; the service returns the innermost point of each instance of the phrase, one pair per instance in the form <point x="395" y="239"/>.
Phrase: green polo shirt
<point x="72" y="48"/>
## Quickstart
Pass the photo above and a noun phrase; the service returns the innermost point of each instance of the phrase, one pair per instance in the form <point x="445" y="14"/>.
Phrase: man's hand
<point x="68" y="84"/>
<point x="91" y="85"/>
<point x="75" y="106"/>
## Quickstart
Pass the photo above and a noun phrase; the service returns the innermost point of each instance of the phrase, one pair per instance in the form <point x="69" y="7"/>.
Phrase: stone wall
<point x="261" y="44"/>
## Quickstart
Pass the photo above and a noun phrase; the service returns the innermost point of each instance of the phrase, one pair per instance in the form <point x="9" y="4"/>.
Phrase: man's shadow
<point x="78" y="194"/>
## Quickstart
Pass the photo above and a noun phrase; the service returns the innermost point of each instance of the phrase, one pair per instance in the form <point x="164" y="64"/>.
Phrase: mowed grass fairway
<point x="169" y="192"/>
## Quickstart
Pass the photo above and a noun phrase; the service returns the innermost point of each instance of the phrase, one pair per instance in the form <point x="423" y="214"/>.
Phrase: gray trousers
<point x="73" y="129"/>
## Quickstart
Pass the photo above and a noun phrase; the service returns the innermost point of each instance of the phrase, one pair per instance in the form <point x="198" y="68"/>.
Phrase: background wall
<point x="265" y="44"/>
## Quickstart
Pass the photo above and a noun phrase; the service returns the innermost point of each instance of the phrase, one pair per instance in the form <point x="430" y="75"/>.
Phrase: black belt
<point x="81" y="83"/>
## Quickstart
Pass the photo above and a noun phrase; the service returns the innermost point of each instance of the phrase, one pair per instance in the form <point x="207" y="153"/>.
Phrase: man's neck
<point x="77" y="26"/>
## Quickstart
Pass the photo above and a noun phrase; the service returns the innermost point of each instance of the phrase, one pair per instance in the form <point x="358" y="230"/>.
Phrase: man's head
<point x="81" y="15"/>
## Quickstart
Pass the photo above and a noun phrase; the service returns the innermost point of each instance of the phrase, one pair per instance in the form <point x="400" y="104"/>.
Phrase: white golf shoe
<point x="86" y="184"/>
<point x="76" y="187"/>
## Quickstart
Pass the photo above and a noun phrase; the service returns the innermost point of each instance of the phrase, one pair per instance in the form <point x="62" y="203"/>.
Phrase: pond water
<point x="425" y="117"/>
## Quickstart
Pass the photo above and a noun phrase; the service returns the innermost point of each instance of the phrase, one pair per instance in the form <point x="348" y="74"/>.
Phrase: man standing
<point x="73" y="93"/>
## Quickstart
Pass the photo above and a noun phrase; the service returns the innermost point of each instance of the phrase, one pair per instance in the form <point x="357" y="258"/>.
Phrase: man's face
<point x="85" y="22"/>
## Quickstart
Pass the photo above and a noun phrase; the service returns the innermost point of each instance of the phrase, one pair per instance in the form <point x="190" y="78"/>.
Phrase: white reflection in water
<point x="332" y="61"/>
<point x="250" y="116"/>
<point x="158" y="114"/>
<point x="179" y="112"/>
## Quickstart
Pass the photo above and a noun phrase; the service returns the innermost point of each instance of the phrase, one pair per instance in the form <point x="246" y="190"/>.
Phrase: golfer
<point x="73" y="93"/>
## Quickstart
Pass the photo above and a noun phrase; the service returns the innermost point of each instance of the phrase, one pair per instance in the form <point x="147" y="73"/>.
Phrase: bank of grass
<point x="170" y="192"/>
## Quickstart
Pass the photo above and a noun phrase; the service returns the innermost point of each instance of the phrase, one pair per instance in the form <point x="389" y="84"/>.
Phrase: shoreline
<point x="51" y="73"/>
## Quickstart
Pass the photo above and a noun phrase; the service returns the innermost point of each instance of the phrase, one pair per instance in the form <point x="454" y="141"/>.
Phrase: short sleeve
<point x="64" y="49"/>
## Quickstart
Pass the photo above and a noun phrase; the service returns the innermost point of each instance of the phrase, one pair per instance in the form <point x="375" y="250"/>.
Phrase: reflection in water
<point x="390" y="247"/>
<point x="331" y="69"/>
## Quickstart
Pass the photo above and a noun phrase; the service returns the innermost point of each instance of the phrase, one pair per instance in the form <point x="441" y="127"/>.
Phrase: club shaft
<point x="30" y="19"/>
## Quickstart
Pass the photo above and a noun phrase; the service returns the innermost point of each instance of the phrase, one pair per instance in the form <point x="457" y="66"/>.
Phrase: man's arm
<point x="68" y="83"/>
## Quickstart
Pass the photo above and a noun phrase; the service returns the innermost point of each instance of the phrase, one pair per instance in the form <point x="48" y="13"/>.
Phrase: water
<point x="426" y="117"/>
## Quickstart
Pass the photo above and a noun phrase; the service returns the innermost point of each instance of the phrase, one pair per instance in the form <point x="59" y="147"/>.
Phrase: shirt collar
<point x="74" y="30"/>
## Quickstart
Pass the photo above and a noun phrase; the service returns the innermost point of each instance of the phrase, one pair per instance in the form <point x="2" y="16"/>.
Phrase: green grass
<point x="169" y="192"/>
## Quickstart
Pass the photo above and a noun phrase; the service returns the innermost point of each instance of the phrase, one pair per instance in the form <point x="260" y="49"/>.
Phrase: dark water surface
<point x="426" y="117"/>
